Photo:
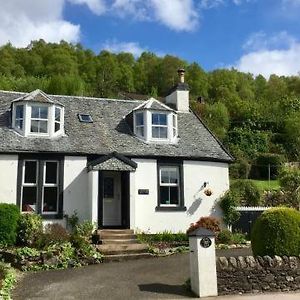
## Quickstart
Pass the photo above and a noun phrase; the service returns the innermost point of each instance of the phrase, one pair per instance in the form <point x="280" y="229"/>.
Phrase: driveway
<point x="154" y="278"/>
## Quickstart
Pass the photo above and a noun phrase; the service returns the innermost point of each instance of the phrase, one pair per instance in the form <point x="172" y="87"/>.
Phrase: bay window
<point x="159" y="126"/>
<point x="39" y="119"/>
<point x="139" y="124"/>
<point x="19" y="117"/>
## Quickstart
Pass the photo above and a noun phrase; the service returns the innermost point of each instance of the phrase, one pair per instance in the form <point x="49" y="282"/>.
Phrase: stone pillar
<point x="203" y="263"/>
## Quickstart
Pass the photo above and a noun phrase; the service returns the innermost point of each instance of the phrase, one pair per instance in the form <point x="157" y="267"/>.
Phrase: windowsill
<point x="170" y="208"/>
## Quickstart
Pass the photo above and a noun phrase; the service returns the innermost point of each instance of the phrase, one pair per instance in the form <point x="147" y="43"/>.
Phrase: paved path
<point x="154" y="278"/>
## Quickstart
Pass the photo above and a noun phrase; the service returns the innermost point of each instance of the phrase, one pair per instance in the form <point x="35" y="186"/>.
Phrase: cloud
<point x="179" y="15"/>
<point x="276" y="54"/>
<point x="98" y="7"/>
<point x="208" y="4"/>
<point x="117" y="47"/>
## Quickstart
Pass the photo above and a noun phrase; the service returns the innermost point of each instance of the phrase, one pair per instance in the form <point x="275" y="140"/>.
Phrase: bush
<point x="209" y="223"/>
<point x="53" y="234"/>
<point x="30" y="229"/>
<point x="9" y="216"/>
<point x="240" y="169"/>
<point x="247" y="192"/>
<point x="224" y="237"/>
<point x="262" y="165"/>
<point x="277" y="232"/>
<point x="228" y="203"/>
<point x="165" y="236"/>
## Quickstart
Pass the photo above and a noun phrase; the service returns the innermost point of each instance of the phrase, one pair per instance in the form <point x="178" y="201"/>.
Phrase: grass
<point x="264" y="185"/>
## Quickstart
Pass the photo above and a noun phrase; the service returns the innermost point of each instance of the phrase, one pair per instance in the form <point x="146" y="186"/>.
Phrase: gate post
<point x="203" y="263"/>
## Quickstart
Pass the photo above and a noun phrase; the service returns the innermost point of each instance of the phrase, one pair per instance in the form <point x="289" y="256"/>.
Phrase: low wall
<point x="258" y="274"/>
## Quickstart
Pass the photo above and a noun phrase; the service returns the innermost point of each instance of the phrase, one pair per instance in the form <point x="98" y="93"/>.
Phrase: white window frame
<point x="39" y="119"/>
<point x="59" y="121"/>
<point x="170" y="185"/>
<point x="159" y="126"/>
<point x="174" y="126"/>
<point x="50" y="185"/>
<point x="29" y="184"/>
<point x="139" y="126"/>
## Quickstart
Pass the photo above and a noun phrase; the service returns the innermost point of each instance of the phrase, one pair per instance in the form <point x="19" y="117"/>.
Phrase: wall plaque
<point x="205" y="242"/>
<point x="143" y="192"/>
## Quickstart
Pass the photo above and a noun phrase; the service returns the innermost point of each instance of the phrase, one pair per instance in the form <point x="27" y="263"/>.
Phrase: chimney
<point x="178" y="97"/>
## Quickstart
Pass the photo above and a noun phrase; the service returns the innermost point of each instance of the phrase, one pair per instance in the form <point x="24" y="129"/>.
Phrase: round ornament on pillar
<point x="205" y="242"/>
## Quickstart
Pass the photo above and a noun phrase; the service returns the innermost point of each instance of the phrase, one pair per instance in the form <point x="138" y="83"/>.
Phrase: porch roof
<point x="112" y="162"/>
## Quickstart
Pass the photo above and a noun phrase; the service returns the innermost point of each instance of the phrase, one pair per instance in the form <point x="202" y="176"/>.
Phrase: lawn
<point x="265" y="185"/>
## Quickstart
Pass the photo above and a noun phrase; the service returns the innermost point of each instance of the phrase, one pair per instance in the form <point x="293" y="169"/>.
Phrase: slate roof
<point x="108" y="133"/>
<point x="36" y="96"/>
<point x="153" y="104"/>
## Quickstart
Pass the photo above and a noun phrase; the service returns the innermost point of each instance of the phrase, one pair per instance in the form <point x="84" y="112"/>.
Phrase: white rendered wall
<point x="145" y="218"/>
<point x="180" y="99"/>
<point x="8" y="178"/>
<point x="76" y="195"/>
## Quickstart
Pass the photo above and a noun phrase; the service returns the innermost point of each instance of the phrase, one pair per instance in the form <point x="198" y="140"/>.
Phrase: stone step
<point x="110" y="249"/>
<point x="122" y="241"/>
<point x="123" y="257"/>
<point x="115" y="231"/>
<point x="117" y="236"/>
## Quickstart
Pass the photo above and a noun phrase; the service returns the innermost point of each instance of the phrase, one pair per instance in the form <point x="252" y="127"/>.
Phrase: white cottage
<point x="143" y="165"/>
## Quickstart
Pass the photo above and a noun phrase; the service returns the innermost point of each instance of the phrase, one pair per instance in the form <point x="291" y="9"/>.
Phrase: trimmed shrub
<point x="30" y="229"/>
<point x="247" y="192"/>
<point x="277" y="232"/>
<point x="224" y="237"/>
<point x="9" y="216"/>
<point x="210" y="223"/>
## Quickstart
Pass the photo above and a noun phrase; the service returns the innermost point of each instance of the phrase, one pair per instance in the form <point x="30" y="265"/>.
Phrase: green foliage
<point x="27" y="252"/>
<point x="165" y="236"/>
<point x="73" y="220"/>
<point x="9" y="216"/>
<point x="53" y="234"/>
<point x="238" y="238"/>
<point x="224" y="237"/>
<point x="30" y="228"/>
<point x="228" y="203"/>
<point x="8" y="281"/>
<point x="292" y="132"/>
<point x="247" y="192"/>
<point x="240" y="169"/>
<point x="210" y="223"/>
<point x="277" y="232"/>
<point x="264" y="160"/>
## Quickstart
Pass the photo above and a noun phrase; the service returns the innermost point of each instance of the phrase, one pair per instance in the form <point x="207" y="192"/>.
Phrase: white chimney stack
<point x="179" y="95"/>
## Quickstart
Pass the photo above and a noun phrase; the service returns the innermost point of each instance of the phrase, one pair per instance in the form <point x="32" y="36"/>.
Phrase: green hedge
<point x="9" y="216"/>
<point x="277" y="232"/>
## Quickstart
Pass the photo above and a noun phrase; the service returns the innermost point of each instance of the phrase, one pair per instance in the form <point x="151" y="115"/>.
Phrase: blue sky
<point x="257" y="36"/>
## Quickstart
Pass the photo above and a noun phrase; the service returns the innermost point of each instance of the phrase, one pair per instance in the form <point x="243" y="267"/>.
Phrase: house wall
<point x="76" y="187"/>
<point x="8" y="178"/>
<point x="195" y="173"/>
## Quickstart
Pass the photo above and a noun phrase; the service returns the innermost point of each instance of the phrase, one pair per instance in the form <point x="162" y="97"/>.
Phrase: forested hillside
<point x="251" y="115"/>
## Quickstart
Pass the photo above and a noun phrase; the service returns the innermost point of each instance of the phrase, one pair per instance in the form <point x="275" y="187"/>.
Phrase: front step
<point x="113" y="249"/>
<point x="123" y="257"/>
<point x="118" y="245"/>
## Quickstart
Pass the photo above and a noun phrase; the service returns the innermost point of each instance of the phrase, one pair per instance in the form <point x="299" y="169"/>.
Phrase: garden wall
<point x="258" y="274"/>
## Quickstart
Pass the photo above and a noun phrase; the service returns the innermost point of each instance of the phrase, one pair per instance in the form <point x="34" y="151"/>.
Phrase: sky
<point x="256" y="36"/>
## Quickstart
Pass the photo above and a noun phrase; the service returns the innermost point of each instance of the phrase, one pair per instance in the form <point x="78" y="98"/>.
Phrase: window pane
<point x="30" y="172"/>
<point x="163" y="132"/>
<point x="29" y="199"/>
<point x="50" y="199"/>
<point x="19" y="112"/>
<point x="173" y="173"/>
<point x="159" y="119"/>
<point x="155" y="132"/>
<point x="174" y="195"/>
<point x="43" y="112"/>
<point x="108" y="187"/>
<point x="34" y="126"/>
<point x="139" y="119"/>
<point x="164" y="176"/>
<point x="51" y="172"/>
<point x="19" y="124"/>
<point x="164" y="195"/>
<point x="140" y="131"/>
<point x="57" y="126"/>
<point x="57" y="114"/>
<point x="43" y="127"/>
<point x="34" y="112"/>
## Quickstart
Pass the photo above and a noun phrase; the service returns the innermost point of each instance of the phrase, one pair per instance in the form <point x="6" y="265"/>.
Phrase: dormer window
<point x="155" y="122"/>
<point x="37" y="115"/>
